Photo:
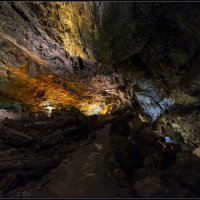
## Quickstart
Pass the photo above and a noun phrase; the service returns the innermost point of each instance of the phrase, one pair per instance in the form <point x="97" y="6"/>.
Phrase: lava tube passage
<point x="99" y="99"/>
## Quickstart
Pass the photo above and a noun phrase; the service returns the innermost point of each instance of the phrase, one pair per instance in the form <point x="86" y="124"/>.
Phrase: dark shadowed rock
<point x="149" y="187"/>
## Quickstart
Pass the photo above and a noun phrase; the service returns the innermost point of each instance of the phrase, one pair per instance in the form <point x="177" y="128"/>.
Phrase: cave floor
<point x="70" y="155"/>
<point x="86" y="175"/>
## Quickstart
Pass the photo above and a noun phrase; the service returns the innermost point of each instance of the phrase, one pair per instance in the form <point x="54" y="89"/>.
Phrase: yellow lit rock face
<point x="74" y="24"/>
<point x="95" y="108"/>
<point x="40" y="89"/>
<point x="106" y="109"/>
<point x="47" y="92"/>
<point x="42" y="46"/>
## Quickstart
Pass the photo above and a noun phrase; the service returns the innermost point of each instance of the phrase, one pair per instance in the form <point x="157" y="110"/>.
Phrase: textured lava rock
<point x="148" y="187"/>
<point x="64" y="37"/>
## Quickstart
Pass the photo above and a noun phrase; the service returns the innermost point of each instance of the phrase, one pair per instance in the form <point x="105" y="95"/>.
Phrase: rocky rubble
<point x="32" y="146"/>
<point x="153" y="166"/>
<point x="145" y="159"/>
<point x="183" y="122"/>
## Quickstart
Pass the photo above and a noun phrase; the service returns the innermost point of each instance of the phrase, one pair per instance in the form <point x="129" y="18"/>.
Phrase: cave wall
<point x="165" y="34"/>
<point x="35" y="60"/>
<point x="20" y="26"/>
<point x="157" y="41"/>
<point x="81" y="41"/>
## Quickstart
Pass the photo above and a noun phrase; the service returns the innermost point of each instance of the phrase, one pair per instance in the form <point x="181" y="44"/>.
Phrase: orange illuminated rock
<point x="47" y="91"/>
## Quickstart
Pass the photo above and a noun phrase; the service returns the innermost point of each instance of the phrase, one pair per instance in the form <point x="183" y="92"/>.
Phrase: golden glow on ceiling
<point x="96" y="108"/>
<point x="47" y="92"/>
<point x="73" y="23"/>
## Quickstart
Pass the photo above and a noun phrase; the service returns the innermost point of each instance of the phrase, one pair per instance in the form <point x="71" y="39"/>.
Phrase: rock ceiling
<point x="62" y="53"/>
<point x="43" y="64"/>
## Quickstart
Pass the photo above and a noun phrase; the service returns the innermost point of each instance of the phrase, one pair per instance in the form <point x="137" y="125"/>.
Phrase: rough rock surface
<point x="151" y="99"/>
<point x="154" y="167"/>
<point x="87" y="170"/>
<point x="72" y="39"/>
<point x="32" y="146"/>
<point x="133" y="60"/>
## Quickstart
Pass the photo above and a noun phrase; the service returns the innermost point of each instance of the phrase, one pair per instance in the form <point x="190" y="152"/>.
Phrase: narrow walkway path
<point x="86" y="175"/>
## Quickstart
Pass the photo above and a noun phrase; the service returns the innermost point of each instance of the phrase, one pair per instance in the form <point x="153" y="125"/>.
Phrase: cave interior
<point x="99" y="99"/>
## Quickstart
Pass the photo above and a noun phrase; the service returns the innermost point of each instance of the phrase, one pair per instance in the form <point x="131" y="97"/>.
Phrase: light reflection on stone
<point x="9" y="114"/>
<point x="151" y="99"/>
